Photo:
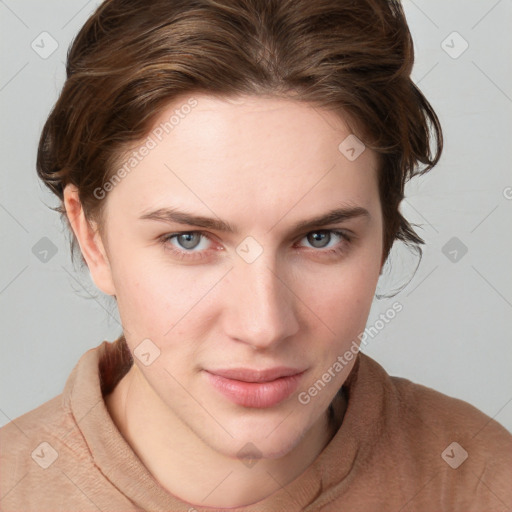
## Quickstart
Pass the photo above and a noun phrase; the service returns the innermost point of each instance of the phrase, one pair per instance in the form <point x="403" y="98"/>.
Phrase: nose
<point x="261" y="310"/>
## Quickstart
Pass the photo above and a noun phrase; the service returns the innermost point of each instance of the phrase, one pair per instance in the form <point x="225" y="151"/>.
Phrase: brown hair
<point x="133" y="57"/>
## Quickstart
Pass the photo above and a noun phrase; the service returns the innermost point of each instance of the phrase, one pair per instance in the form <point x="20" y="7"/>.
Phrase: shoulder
<point x="46" y="462"/>
<point x="422" y="406"/>
<point x="44" y="422"/>
<point x="31" y="446"/>
<point x="464" y="454"/>
<point x="443" y="414"/>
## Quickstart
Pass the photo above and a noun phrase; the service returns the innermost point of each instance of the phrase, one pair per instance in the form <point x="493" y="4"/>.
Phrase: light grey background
<point x="453" y="333"/>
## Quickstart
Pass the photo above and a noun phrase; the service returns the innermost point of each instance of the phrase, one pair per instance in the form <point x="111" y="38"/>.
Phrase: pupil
<point x="187" y="240"/>
<point x="319" y="239"/>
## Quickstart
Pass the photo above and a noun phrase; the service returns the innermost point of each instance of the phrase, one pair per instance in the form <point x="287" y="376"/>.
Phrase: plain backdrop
<point x="454" y="331"/>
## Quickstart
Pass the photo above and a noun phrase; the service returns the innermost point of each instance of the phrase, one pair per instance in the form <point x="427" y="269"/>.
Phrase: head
<point x="259" y="117"/>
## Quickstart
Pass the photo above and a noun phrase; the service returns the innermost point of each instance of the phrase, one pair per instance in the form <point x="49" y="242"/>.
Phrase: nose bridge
<point x="262" y="309"/>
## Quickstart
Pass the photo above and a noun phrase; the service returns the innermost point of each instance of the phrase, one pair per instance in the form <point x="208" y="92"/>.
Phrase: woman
<point x="232" y="172"/>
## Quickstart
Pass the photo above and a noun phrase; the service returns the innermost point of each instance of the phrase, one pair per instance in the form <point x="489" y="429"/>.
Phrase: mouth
<point x="255" y="388"/>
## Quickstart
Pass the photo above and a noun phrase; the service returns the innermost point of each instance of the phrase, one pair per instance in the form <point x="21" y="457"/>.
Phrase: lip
<point x="255" y="388"/>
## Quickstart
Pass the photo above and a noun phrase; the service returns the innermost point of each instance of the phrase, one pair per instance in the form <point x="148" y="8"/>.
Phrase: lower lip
<point x="255" y="394"/>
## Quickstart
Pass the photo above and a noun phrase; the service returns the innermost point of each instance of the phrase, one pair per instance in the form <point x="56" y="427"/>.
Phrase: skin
<point x="262" y="165"/>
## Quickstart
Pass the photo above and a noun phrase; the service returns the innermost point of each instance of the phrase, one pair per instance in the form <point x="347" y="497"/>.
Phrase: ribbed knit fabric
<point x="394" y="452"/>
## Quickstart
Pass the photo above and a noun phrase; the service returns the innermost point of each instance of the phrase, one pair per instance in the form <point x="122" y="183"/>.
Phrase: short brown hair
<point x="133" y="57"/>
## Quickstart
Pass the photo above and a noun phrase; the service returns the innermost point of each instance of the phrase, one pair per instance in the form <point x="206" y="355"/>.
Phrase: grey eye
<point x="319" y="239"/>
<point x="189" y="240"/>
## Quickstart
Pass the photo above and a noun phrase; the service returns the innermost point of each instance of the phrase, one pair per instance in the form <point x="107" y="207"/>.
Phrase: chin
<point x="265" y="439"/>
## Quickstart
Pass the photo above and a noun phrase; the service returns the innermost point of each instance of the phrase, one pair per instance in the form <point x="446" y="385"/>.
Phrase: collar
<point x="325" y="479"/>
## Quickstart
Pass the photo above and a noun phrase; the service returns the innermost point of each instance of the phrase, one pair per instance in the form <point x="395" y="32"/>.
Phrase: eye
<point x="329" y="242"/>
<point x="189" y="246"/>
<point x="322" y="239"/>
<point x="195" y="245"/>
<point x="188" y="241"/>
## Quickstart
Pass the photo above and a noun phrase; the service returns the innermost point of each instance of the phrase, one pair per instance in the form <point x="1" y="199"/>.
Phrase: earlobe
<point x="89" y="240"/>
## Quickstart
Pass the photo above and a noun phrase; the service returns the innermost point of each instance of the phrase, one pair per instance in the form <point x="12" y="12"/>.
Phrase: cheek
<point x="160" y="301"/>
<point x="146" y="297"/>
<point x="342" y="299"/>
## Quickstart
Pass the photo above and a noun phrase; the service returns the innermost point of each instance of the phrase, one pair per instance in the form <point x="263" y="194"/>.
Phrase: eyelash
<point x="346" y="240"/>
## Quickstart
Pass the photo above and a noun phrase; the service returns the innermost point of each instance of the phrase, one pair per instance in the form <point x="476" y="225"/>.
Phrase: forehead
<point x="257" y="152"/>
<point x="232" y="123"/>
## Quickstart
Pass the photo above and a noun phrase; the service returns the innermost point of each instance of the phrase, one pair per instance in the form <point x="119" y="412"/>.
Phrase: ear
<point x="89" y="239"/>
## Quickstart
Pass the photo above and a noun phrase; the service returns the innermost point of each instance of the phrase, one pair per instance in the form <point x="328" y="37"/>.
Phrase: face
<point x="244" y="249"/>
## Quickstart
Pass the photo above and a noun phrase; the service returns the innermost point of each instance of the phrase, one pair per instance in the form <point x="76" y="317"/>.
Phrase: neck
<point x="193" y="471"/>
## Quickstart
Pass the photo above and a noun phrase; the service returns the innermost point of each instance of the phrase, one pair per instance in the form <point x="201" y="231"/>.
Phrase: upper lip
<point x="255" y="375"/>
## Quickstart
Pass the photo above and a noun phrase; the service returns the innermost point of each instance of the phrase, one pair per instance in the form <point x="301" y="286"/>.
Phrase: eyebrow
<point x="173" y="215"/>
